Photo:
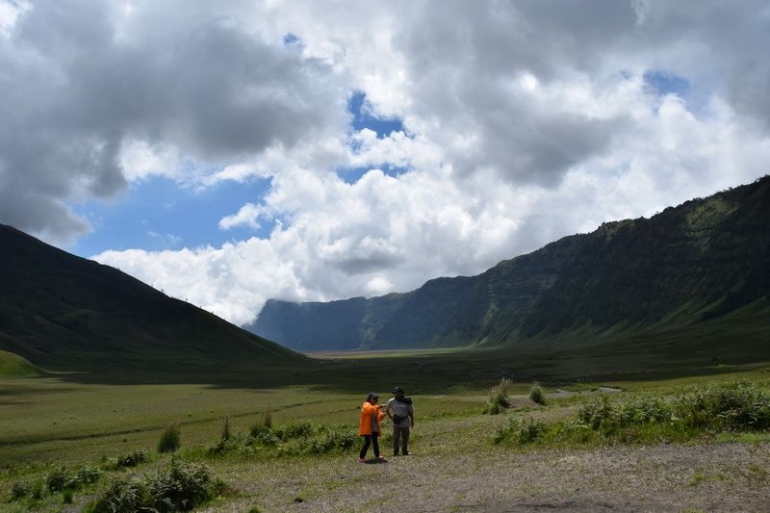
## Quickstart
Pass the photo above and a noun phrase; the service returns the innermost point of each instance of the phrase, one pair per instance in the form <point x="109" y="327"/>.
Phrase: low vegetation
<point x="499" y="399"/>
<point x="696" y="412"/>
<point x="239" y="444"/>
<point x="180" y="487"/>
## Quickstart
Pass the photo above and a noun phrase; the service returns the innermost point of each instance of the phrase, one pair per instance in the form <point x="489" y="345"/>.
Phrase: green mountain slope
<point x="62" y="312"/>
<point x="690" y="264"/>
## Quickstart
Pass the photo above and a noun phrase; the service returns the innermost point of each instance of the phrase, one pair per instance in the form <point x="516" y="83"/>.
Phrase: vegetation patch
<point x="180" y="487"/>
<point x="499" y="399"/>
<point x="170" y="439"/>
<point x="735" y="407"/>
<point x="13" y="365"/>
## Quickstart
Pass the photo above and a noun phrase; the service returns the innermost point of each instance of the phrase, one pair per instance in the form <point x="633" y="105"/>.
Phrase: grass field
<point x="68" y="424"/>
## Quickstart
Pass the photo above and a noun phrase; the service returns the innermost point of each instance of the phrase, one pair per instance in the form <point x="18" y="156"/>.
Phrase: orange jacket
<point x="365" y="424"/>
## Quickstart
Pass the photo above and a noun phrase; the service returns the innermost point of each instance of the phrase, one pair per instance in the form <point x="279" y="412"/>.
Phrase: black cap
<point x="397" y="390"/>
<point x="373" y="394"/>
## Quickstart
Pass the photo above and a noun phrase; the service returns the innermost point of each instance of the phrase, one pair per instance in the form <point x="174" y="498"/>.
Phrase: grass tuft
<point x="498" y="398"/>
<point x="537" y="395"/>
<point x="180" y="487"/>
<point x="170" y="439"/>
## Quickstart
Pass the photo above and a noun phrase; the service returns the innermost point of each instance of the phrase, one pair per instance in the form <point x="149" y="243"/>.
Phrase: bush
<point x="536" y="394"/>
<point x="302" y="429"/>
<point x="19" y="491"/>
<point x="736" y="406"/>
<point x="56" y="480"/>
<point x="121" y="496"/>
<point x="596" y="413"/>
<point x="332" y="440"/>
<point x="520" y="433"/>
<point x="170" y="439"/>
<point x="85" y="475"/>
<point x="131" y="459"/>
<point x="498" y="399"/>
<point x="181" y="487"/>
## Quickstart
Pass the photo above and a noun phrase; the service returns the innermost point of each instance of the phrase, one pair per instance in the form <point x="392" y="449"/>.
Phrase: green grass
<point x="52" y="427"/>
<point x="15" y="366"/>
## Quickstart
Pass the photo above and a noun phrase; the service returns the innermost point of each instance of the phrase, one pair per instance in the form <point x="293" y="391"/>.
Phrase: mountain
<point x="687" y="265"/>
<point x="62" y="312"/>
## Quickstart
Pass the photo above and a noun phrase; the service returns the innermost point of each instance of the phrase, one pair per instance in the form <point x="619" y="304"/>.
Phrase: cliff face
<point x="695" y="262"/>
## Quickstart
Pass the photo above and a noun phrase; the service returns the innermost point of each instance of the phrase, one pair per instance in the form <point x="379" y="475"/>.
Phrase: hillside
<point x="690" y="264"/>
<point x="62" y="312"/>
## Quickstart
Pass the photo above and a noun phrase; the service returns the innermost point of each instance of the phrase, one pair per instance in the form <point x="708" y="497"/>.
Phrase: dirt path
<point x="706" y="478"/>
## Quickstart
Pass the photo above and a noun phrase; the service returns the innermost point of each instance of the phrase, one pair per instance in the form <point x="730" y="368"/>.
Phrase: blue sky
<point x="158" y="213"/>
<point x="230" y="152"/>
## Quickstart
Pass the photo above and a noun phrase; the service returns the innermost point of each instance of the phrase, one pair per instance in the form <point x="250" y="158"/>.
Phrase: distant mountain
<point x="690" y="264"/>
<point x="62" y="312"/>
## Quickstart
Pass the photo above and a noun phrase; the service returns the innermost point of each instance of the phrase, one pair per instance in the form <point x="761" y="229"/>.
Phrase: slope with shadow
<point x="691" y="264"/>
<point x="66" y="313"/>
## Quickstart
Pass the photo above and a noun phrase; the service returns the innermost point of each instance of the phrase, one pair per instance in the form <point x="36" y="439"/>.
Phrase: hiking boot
<point x="361" y="460"/>
<point x="406" y="453"/>
<point x="382" y="459"/>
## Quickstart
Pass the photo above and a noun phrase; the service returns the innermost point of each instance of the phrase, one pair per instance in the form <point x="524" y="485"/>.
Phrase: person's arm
<point x="411" y="415"/>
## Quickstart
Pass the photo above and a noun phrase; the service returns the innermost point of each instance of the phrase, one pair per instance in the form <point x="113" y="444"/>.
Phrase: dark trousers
<point x="403" y="434"/>
<point x="370" y="439"/>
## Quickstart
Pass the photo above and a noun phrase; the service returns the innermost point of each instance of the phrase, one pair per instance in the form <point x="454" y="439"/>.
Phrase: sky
<point x="311" y="150"/>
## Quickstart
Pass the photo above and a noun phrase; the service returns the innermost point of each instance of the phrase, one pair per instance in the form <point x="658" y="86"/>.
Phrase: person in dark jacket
<point x="401" y="412"/>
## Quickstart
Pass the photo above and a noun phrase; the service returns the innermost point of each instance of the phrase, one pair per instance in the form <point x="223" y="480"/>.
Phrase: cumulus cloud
<point x="521" y="122"/>
<point x="92" y="91"/>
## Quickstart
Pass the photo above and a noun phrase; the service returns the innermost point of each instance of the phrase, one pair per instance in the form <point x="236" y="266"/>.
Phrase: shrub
<point x="596" y="413"/>
<point x="56" y="480"/>
<point x="85" y="475"/>
<point x="181" y="487"/>
<point x="332" y="440"/>
<point x="131" y="459"/>
<point x="519" y="432"/>
<point x="169" y="440"/>
<point x="498" y="399"/>
<point x="536" y="394"/>
<point x="19" y="491"/>
<point x="121" y="496"/>
<point x="738" y="406"/>
<point x="302" y="429"/>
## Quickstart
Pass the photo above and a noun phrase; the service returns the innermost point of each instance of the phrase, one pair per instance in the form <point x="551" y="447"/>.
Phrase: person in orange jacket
<point x="369" y="426"/>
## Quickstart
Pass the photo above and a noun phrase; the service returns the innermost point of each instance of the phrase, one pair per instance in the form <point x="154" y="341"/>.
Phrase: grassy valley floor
<point x="49" y="425"/>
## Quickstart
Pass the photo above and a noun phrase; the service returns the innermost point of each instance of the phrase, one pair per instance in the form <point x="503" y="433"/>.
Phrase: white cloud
<point x="523" y="122"/>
